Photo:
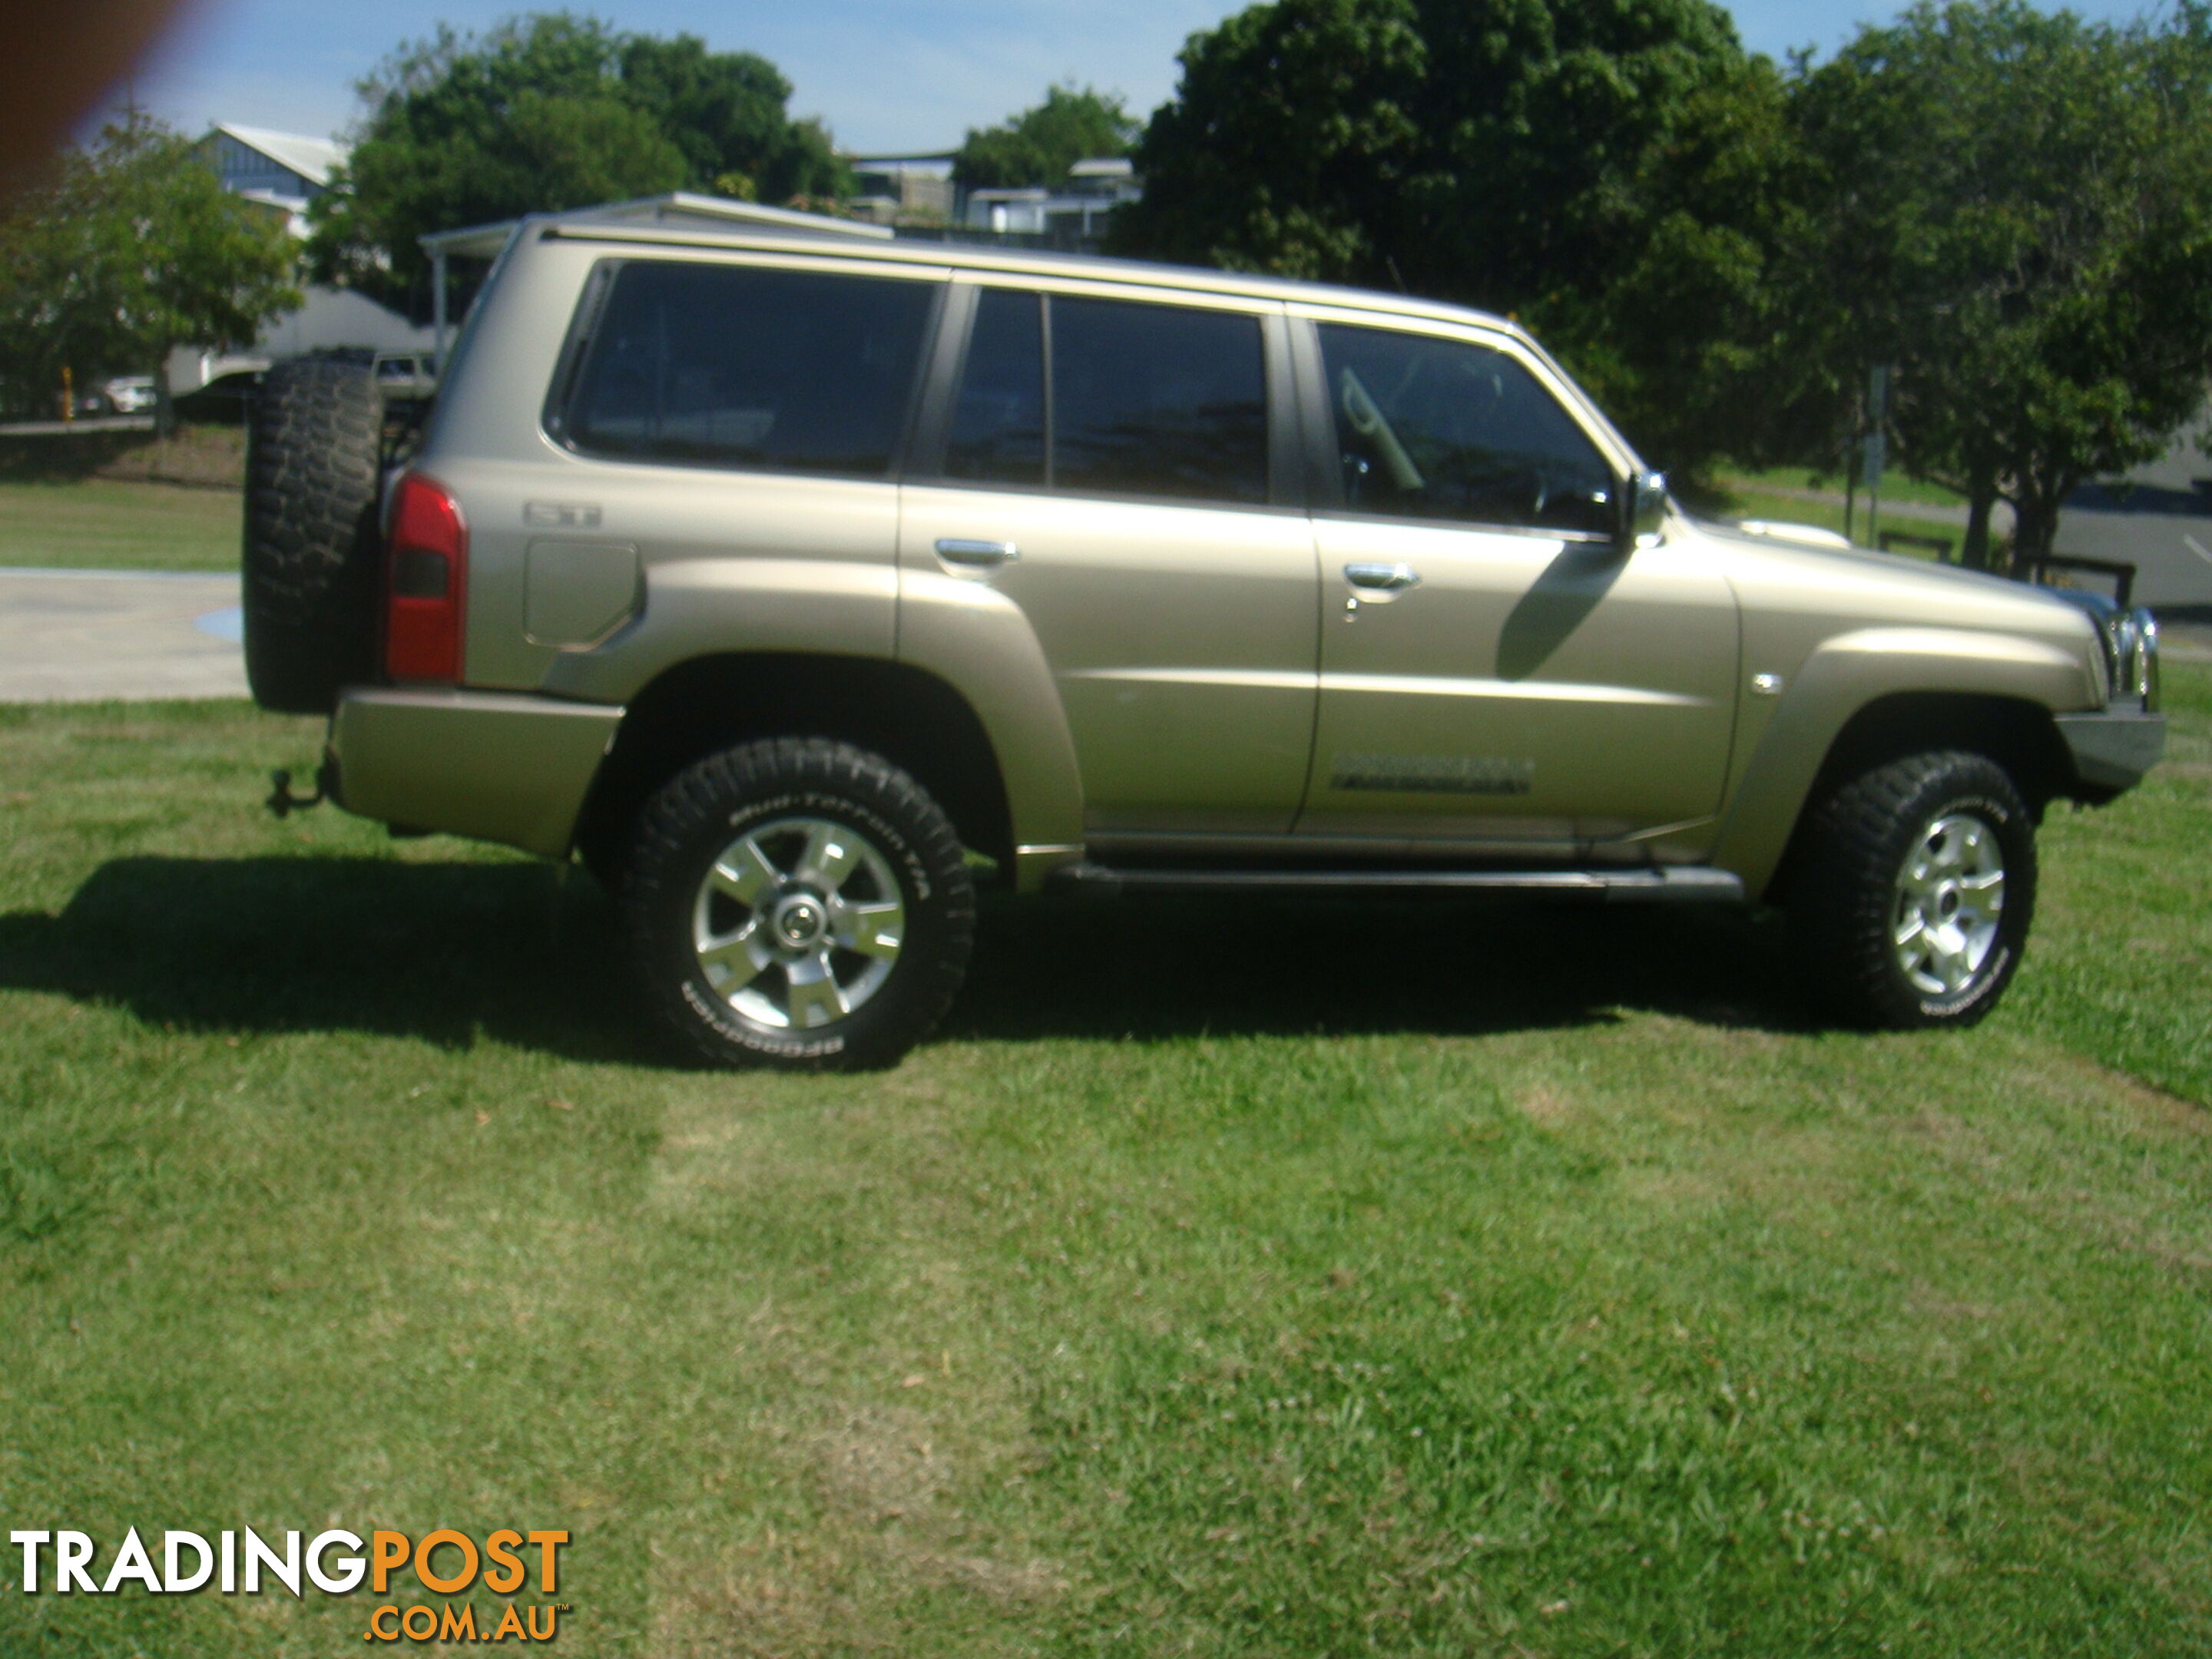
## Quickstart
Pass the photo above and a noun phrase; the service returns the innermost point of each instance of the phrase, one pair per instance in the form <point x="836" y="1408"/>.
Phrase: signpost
<point x="1877" y="447"/>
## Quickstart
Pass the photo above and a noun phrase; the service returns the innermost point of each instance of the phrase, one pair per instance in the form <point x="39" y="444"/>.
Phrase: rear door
<point x="1115" y="463"/>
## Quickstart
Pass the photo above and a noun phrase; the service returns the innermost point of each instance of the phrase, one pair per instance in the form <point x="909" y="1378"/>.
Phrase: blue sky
<point x="887" y="75"/>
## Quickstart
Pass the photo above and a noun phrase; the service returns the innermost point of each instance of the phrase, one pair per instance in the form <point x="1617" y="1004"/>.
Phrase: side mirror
<point x="1643" y="510"/>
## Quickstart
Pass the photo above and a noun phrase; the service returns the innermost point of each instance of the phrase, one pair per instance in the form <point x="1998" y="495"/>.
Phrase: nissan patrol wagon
<point x="799" y="582"/>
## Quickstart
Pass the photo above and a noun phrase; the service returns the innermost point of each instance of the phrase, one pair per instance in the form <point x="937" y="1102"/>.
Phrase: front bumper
<point x="495" y="766"/>
<point x="2113" y="750"/>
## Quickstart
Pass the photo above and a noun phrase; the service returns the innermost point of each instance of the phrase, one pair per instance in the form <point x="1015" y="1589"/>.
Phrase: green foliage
<point x="127" y="248"/>
<point x="1039" y="145"/>
<point x="546" y="112"/>
<point x="2020" y="220"/>
<point x="1613" y="172"/>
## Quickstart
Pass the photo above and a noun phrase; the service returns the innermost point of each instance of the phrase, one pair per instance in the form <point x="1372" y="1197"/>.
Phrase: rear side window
<point x="727" y="366"/>
<point x="1431" y="428"/>
<point x="1158" y="400"/>
<point x="1141" y="399"/>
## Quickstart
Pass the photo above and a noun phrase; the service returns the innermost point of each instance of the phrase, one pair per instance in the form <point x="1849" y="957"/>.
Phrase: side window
<point x="730" y="366"/>
<point x="1431" y="428"/>
<point x="998" y="424"/>
<point x="1158" y="400"/>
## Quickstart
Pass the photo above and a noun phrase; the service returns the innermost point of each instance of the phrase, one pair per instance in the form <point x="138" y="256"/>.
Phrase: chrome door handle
<point x="953" y="549"/>
<point x="1382" y="578"/>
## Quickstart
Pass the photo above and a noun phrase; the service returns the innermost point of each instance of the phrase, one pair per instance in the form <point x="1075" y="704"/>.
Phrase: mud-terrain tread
<point x="662" y="868"/>
<point x="310" y="556"/>
<point x="1844" y="888"/>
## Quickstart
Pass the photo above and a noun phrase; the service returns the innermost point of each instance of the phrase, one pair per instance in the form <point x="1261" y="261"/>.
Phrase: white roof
<point x="1103" y="167"/>
<point x="677" y="208"/>
<point x="310" y="158"/>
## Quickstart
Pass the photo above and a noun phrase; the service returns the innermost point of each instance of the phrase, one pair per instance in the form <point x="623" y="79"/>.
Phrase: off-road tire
<point x="705" y="810"/>
<point x="311" y="560"/>
<point x="1846" y="891"/>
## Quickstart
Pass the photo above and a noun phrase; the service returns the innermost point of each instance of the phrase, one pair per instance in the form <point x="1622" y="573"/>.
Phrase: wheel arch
<point x="2017" y="733"/>
<point x="914" y="719"/>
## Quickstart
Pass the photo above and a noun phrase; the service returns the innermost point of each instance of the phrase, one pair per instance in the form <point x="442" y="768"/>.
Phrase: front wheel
<point x="797" y="903"/>
<point x="1912" y="904"/>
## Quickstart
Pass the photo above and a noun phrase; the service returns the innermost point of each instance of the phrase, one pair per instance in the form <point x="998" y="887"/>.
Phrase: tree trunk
<point x="1981" y="501"/>
<point x="165" y="407"/>
<point x="2035" y="527"/>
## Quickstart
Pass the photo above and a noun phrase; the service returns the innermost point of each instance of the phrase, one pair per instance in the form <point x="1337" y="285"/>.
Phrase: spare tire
<point x="311" y="558"/>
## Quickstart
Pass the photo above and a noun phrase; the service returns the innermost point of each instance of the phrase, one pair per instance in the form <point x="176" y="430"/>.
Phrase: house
<point x="893" y="188"/>
<point x="1075" y="211"/>
<point x="281" y="170"/>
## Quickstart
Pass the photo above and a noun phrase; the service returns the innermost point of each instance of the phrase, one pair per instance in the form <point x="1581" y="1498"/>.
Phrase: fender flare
<point x="1845" y="674"/>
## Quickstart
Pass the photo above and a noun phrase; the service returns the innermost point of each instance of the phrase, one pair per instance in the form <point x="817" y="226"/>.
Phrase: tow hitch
<point x="283" y="802"/>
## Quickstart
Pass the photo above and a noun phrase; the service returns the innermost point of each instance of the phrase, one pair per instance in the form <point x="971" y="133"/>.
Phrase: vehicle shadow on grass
<point x="526" y="953"/>
<point x="530" y="955"/>
<point x="1149" y="967"/>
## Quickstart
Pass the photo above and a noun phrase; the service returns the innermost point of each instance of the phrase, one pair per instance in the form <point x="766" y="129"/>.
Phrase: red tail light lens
<point x="426" y="584"/>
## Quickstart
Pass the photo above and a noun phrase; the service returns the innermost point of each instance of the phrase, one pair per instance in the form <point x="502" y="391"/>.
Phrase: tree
<point x="126" y="250"/>
<point x="2022" y="223"/>
<point x="1040" y="144"/>
<point x="546" y="112"/>
<point x="1616" y="173"/>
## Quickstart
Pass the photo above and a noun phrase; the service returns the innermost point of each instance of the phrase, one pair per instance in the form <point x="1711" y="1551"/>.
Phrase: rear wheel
<point x="1912" y="900"/>
<point x="310" y="557"/>
<point x="797" y="903"/>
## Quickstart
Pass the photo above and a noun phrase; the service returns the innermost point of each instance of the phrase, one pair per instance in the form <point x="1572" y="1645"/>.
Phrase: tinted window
<point x="731" y="366"/>
<point x="1429" y="428"/>
<point x="1158" y="400"/>
<point x="998" y="424"/>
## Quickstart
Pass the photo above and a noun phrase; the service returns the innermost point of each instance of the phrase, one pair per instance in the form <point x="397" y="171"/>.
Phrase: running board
<point x="1688" y="885"/>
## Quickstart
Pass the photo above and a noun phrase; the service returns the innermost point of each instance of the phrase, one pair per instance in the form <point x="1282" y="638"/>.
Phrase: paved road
<point x="86" y="635"/>
<point x="2162" y="523"/>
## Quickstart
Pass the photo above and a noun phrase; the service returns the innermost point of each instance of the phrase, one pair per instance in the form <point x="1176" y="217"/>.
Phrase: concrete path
<point x="88" y="635"/>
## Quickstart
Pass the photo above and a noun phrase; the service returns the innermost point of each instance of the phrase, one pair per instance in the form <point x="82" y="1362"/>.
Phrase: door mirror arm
<point x="1642" y="511"/>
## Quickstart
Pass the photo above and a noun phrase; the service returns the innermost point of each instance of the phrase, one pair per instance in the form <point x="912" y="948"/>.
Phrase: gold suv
<point x="799" y="582"/>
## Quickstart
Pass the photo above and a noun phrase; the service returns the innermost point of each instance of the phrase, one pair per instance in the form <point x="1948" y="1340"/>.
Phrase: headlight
<point x="2128" y="642"/>
<point x="2134" y="652"/>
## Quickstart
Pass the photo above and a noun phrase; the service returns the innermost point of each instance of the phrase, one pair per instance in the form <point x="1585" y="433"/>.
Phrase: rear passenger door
<point x="1121" y="467"/>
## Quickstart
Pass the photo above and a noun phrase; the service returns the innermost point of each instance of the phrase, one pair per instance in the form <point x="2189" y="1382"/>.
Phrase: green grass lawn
<point x="1238" y="1280"/>
<point x="1895" y="486"/>
<point x="104" y="524"/>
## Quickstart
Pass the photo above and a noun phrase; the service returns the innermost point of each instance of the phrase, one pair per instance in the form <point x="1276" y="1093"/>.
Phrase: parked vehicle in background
<point x="409" y="375"/>
<point x="125" y="394"/>
<point x="793" y="579"/>
<point x="131" y="394"/>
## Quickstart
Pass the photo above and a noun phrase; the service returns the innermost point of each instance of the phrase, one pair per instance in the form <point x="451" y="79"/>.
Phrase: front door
<point x="1495" y="673"/>
<point x="1106" y="468"/>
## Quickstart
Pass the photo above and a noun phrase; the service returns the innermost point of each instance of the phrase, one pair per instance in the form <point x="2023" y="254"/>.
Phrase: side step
<point x="1673" y="885"/>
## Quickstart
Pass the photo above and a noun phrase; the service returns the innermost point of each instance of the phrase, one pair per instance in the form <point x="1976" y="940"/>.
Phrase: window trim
<point x="1326" y="476"/>
<point x="565" y="382"/>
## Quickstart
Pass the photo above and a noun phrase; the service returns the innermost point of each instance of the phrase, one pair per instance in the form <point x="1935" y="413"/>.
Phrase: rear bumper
<point x="2113" y="750"/>
<point x="493" y="766"/>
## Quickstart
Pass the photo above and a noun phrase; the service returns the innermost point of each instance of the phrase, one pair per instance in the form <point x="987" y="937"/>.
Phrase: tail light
<point x="426" y="584"/>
